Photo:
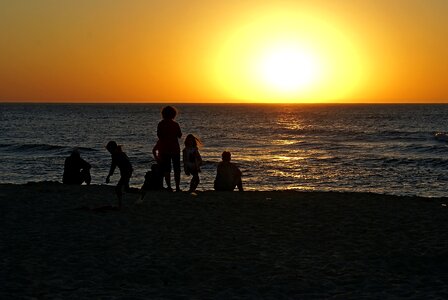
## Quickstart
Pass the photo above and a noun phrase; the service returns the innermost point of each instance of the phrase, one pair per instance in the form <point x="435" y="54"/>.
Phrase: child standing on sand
<point x="120" y="159"/>
<point x="192" y="160"/>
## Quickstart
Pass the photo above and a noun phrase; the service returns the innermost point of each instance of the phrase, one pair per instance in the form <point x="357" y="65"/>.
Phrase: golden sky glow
<point x="284" y="56"/>
<point x="224" y="51"/>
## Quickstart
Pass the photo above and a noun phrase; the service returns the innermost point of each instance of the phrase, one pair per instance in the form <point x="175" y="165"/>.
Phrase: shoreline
<point x="221" y="245"/>
<point x="248" y="190"/>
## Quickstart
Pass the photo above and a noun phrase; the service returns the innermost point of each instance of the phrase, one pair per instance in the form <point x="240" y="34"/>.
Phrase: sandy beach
<point x="57" y="242"/>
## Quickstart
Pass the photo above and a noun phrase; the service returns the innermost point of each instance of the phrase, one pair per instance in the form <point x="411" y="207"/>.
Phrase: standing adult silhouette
<point x="168" y="132"/>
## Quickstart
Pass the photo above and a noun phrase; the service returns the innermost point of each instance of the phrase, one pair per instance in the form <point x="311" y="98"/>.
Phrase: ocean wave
<point x="423" y="149"/>
<point x="421" y="162"/>
<point x="21" y="148"/>
<point x="350" y="134"/>
<point x="441" y="136"/>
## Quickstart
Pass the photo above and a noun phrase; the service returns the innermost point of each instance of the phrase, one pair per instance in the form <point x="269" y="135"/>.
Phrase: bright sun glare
<point x="287" y="57"/>
<point x="287" y="68"/>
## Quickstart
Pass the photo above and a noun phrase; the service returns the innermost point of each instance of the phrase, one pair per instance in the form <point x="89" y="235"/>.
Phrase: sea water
<point x="390" y="149"/>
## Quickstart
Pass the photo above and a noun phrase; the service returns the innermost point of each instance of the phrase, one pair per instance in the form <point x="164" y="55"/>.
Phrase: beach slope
<point x="67" y="242"/>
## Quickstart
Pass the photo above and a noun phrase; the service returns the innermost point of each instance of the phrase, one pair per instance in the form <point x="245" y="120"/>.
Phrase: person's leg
<point x="167" y="176"/>
<point x="122" y="183"/>
<point x="126" y="180"/>
<point x="145" y="186"/>
<point x="177" y="180"/>
<point x="119" y="192"/>
<point x="85" y="177"/>
<point x="88" y="177"/>
<point x="239" y="184"/>
<point x="166" y="168"/>
<point x="194" y="181"/>
<point x="142" y="196"/>
<point x="176" y="167"/>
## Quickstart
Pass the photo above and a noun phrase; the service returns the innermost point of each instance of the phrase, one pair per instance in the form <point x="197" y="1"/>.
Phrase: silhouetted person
<point x="156" y="152"/>
<point x="168" y="132"/>
<point x="76" y="169"/>
<point x="228" y="175"/>
<point x="153" y="178"/>
<point x="192" y="160"/>
<point x="120" y="160"/>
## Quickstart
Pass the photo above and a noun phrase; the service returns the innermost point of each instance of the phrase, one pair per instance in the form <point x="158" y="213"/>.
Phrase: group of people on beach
<point x="167" y="154"/>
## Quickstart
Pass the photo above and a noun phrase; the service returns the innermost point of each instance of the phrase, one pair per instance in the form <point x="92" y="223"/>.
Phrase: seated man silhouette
<point x="228" y="175"/>
<point x="76" y="169"/>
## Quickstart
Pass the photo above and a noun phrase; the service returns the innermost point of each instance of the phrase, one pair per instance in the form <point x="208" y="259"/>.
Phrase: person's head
<point x="169" y="113"/>
<point x="192" y="141"/>
<point x="75" y="153"/>
<point x="226" y="156"/>
<point x="112" y="146"/>
<point x="155" y="168"/>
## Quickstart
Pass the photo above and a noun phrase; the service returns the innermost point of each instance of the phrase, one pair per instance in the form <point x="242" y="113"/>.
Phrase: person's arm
<point x="159" y="131"/>
<point x="237" y="173"/>
<point x="111" y="171"/>
<point x="239" y="184"/>
<point x="179" y="132"/>
<point x="217" y="179"/>
<point x="156" y="152"/>
<point x="184" y="156"/>
<point x="66" y="164"/>
<point x="198" y="158"/>
<point x="85" y="165"/>
<point x="185" y="160"/>
<point x="64" y="175"/>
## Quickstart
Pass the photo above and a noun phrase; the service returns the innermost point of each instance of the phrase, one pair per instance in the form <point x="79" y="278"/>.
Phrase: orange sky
<point x="208" y="51"/>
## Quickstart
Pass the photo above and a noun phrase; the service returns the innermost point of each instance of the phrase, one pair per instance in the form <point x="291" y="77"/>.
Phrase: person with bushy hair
<point x="168" y="132"/>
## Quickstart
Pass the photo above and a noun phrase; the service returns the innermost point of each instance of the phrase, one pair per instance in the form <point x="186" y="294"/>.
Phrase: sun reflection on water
<point x="284" y="142"/>
<point x="290" y="122"/>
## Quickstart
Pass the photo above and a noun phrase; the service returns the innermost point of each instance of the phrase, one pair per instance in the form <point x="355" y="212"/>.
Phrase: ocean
<point x="388" y="149"/>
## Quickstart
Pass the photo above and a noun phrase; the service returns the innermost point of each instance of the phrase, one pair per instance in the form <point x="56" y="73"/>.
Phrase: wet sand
<point x="66" y="242"/>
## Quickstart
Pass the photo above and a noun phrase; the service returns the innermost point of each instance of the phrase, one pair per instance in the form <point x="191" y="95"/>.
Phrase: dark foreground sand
<point x="251" y="245"/>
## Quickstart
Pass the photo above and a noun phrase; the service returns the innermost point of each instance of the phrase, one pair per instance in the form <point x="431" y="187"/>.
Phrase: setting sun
<point x="288" y="57"/>
<point x="288" y="69"/>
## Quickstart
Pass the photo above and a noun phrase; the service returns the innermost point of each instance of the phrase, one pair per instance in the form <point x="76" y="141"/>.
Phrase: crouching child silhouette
<point x="153" y="182"/>
<point x="120" y="160"/>
<point x="153" y="178"/>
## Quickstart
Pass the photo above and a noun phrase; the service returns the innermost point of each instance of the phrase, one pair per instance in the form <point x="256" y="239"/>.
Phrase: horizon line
<point x="223" y="103"/>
